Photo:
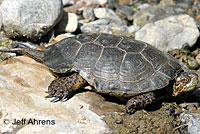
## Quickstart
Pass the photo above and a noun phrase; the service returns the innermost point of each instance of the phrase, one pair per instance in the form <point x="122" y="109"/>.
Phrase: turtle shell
<point x="113" y="64"/>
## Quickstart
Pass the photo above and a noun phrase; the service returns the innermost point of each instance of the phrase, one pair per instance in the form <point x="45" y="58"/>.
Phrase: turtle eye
<point x="186" y="79"/>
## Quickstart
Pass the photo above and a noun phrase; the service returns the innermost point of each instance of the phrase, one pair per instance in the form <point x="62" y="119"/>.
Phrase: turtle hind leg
<point x="32" y="53"/>
<point x="140" y="101"/>
<point x="62" y="87"/>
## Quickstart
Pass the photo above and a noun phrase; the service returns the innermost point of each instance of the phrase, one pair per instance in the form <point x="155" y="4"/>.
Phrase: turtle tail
<point x="32" y="53"/>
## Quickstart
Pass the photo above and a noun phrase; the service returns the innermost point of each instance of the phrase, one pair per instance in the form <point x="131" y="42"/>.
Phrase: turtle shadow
<point x="184" y="98"/>
<point x="105" y="96"/>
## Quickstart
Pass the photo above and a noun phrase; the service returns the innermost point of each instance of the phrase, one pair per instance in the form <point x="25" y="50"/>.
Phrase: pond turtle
<point x="114" y="65"/>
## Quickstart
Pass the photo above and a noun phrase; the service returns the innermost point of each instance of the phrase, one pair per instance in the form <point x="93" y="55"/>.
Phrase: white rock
<point x="172" y="32"/>
<point x="68" y="2"/>
<point x="23" y="83"/>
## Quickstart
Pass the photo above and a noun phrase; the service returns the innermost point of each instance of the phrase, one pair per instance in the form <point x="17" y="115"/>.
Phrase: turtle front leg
<point x="140" y="101"/>
<point x="62" y="87"/>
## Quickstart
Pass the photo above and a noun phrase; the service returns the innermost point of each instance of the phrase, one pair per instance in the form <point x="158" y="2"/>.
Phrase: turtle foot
<point x="139" y="102"/>
<point x="61" y="88"/>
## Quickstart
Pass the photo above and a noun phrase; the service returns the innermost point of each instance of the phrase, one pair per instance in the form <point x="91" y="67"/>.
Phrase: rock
<point x="88" y="13"/>
<point x="155" y="13"/>
<point x="192" y="122"/>
<point x="23" y="83"/>
<point x="172" y="32"/>
<point x="101" y="13"/>
<point x="105" y="25"/>
<point x="97" y="26"/>
<point x="68" y="23"/>
<point x="79" y="4"/>
<point x="68" y="2"/>
<point x="143" y="6"/>
<point x="125" y="10"/>
<point x="133" y="28"/>
<point x="29" y="19"/>
<point x="108" y="22"/>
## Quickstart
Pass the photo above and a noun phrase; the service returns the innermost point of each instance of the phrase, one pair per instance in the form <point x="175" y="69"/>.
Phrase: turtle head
<point x="184" y="82"/>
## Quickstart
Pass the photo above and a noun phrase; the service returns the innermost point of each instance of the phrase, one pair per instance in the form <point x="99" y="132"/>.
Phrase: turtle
<point x="112" y="64"/>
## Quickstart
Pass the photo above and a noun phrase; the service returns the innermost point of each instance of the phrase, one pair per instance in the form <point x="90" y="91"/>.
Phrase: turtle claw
<point x="64" y="98"/>
<point x="49" y="96"/>
<point x="59" y="90"/>
<point x="62" y="87"/>
<point x="56" y="99"/>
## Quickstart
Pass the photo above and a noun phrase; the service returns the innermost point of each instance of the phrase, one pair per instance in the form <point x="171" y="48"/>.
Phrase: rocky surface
<point x="23" y="83"/>
<point x="172" y="32"/>
<point x="29" y="19"/>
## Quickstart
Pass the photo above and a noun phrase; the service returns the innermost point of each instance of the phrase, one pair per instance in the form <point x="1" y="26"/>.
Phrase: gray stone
<point x="101" y="13"/>
<point x="107" y="22"/>
<point x="172" y="32"/>
<point x="106" y="25"/>
<point x="23" y="83"/>
<point x="96" y="26"/>
<point x="125" y="10"/>
<point x="155" y="13"/>
<point x="68" y="23"/>
<point x="192" y="122"/>
<point x="88" y="13"/>
<point x="30" y="19"/>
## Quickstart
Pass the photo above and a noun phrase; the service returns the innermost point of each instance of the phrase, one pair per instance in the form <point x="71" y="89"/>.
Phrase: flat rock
<point x="172" y="32"/>
<point x="23" y="83"/>
<point x="29" y="19"/>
